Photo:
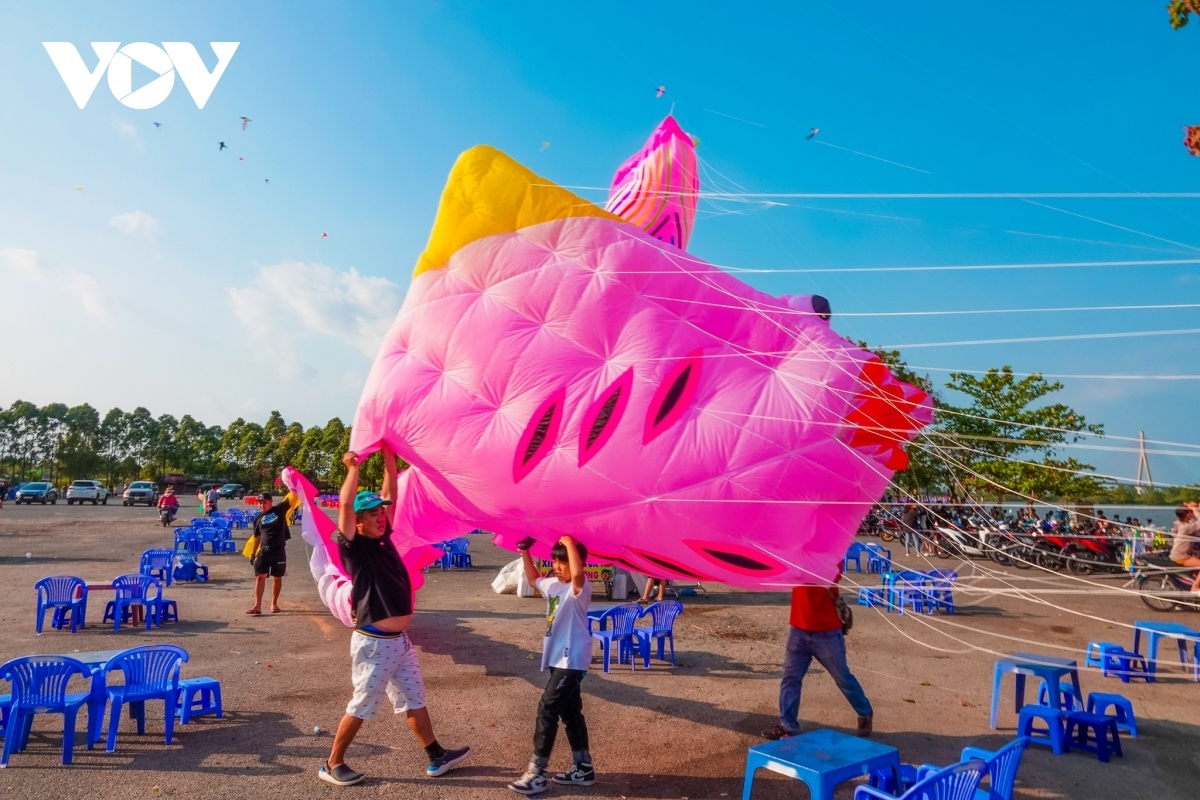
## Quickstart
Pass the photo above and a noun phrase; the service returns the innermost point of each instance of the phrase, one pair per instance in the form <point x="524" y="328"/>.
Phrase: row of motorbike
<point x="1162" y="585"/>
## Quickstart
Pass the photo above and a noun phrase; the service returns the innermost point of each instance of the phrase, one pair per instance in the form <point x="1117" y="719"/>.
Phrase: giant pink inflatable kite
<point x="557" y="369"/>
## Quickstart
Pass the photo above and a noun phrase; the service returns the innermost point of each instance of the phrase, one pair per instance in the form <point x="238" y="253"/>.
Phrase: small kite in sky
<point x="324" y="235"/>
<point x="266" y="180"/>
<point x="544" y="146"/>
<point x="241" y="159"/>
<point x="158" y="124"/>
<point x="661" y="91"/>
<point x="222" y="147"/>
<point x="80" y="189"/>
<point x="812" y="133"/>
<point x="245" y="122"/>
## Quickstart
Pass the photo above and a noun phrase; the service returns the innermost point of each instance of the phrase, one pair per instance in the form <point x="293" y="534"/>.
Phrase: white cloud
<point x="135" y="223"/>
<point x="26" y="262"/>
<point x="285" y="300"/>
<point x="86" y="289"/>
<point x="126" y="129"/>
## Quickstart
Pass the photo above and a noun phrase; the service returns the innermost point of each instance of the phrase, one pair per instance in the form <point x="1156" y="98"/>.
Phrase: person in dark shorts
<point x="383" y="658"/>
<point x="271" y="528"/>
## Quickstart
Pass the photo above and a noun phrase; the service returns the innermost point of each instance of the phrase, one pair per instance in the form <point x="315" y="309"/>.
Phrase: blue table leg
<point x="997" y="683"/>
<point x="818" y="789"/>
<point x="1078" y="689"/>
<point x="748" y="781"/>
<point x="1019" y="693"/>
<point x="1152" y="638"/>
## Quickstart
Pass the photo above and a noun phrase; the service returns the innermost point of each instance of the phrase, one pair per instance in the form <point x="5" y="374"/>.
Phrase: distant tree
<point x="1005" y="440"/>
<point x="1178" y="11"/>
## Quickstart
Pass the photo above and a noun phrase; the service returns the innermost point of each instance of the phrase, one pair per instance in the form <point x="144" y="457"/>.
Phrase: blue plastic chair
<point x="854" y="553"/>
<point x="879" y="559"/>
<point x="956" y="782"/>
<point x="187" y="568"/>
<point x="188" y="538"/>
<point x="39" y="686"/>
<point x="58" y="592"/>
<point x="870" y="596"/>
<point x="151" y="673"/>
<point x="942" y="593"/>
<point x="459" y="557"/>
<point x="621" y="632"/>
<point x="199" y="522"/>
<point x="156" y="563"/>
<point x="133" y="590"/>
<point x="1002" y="768"/>
<point x="662" y="628"/>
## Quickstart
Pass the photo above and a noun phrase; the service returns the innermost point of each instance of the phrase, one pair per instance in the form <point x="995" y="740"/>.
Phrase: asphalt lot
<point x="668" y="733"/>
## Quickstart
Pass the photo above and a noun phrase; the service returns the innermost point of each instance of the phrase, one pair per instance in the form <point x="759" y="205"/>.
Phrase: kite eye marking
<point x="600" y="421"/>
<point x="673" y="396"/>
<point x="735" y="558"/>
<point x="540" y="435"/>
<point x="667" y="565"/>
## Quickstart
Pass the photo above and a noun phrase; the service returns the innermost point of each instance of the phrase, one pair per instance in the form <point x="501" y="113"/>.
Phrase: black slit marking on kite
<point x="539" y="434"/>
<point x="662" y="562"/>
<point x="736" y="560"/>
<point x="602" y="418"/>
<point x="673" y="395"/>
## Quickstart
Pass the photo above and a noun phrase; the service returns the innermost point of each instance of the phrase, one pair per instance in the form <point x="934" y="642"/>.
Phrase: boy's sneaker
<point x="449" y="760"/>
<point x="532" y="782"/>
<point x="341" y="775"/>
<point x="580" y="775"/>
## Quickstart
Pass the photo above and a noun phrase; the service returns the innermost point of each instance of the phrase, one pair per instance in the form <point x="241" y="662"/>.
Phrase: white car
<point x="83" y="491"/>
<point x="141" y="492"/>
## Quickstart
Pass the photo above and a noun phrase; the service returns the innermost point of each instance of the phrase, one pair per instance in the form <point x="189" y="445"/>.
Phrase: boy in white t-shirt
<point x="567" y="653"/>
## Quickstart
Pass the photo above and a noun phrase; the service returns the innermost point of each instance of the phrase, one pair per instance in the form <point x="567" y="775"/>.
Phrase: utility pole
<point x="1143" y="465"/>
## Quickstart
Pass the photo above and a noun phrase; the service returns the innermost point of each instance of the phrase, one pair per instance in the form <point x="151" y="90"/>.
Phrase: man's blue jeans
<point x="829" y="648"/>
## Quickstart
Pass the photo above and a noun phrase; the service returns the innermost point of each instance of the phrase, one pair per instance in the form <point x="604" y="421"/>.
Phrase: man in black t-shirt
<point x="271" y="528"/>
<point x="383" y="658"/>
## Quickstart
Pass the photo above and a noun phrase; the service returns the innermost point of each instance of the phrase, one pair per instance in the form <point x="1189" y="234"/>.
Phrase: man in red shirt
<point x="816" y="633"/>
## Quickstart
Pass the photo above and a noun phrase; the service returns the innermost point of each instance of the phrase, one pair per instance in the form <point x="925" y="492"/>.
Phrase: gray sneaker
<point x="341" y="775"/>
<point x="579" y="775"/>
<point x="532" y="782"/>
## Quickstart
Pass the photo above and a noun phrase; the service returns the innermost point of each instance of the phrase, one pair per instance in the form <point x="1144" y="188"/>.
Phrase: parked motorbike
<point x="1164" y="585"/>
<point x="1087" y="554"/>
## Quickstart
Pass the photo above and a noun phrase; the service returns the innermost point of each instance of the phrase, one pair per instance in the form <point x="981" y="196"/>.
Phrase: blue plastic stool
<point x="168" y="611"/>
<point x="1101" y="726"/>
<point x="1066" y="694"/>
<point x="1103" y="656"/>
<point x="1100" y="702"/>
<point x="1132" y="665"/>
<point x="1054" y="735"/>
<point x="198" y="696"/>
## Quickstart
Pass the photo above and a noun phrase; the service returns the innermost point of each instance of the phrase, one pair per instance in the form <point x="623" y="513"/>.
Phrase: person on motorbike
<point x="208" y="500"/>
<point x="170" y="502"/>
<point x="1187" y="536"/>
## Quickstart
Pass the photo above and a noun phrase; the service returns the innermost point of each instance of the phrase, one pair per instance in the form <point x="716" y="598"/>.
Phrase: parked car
<point x="232" y="490"/>
<point x="37" y="492"/>
<point x="140" y="492"/>
<point x="84" y="490"/>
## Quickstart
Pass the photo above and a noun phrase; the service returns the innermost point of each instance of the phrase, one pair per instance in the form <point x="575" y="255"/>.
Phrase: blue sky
<point x="176" y="249"/>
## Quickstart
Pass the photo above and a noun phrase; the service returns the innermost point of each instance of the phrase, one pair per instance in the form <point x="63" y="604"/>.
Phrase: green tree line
<point x="59" y="443"/>
<point x="1005" y="442"/>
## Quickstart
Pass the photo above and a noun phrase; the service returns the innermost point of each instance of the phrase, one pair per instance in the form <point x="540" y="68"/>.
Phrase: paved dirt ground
<point x="668" y="733"/>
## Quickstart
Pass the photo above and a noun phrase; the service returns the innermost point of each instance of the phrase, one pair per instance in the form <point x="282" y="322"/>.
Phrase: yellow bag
<point x="251" y="548"/>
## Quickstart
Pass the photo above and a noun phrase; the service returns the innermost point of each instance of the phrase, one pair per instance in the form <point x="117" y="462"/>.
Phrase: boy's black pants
<point x="561" y="700"/>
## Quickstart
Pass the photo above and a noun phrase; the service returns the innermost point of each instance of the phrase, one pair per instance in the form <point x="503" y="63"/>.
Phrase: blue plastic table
<point x="1048" y="668"/>
<point x="1155" y="631"/>
<point x="822" y="759"/>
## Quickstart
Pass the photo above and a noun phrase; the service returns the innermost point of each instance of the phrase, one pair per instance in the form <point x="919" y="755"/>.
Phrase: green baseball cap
<point x="365" y="501"/>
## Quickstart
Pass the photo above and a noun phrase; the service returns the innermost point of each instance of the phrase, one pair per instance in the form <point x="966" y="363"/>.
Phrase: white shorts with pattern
<point x="384" y="665"/>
